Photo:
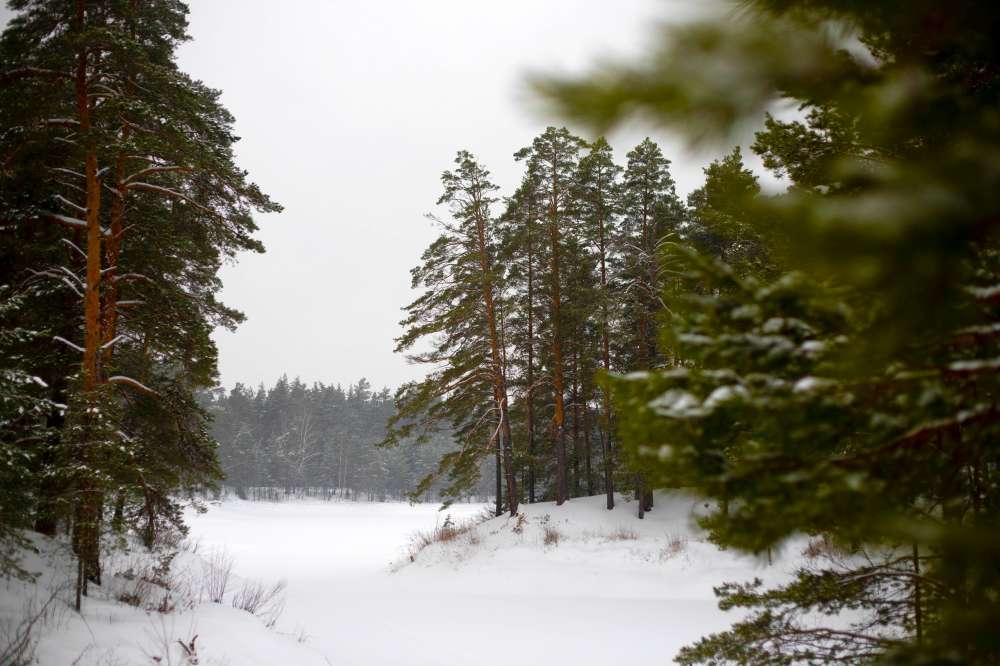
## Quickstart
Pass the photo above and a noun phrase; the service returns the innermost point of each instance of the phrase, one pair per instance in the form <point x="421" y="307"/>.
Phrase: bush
<point x="675" y="545"/>
<point x="623" y="534"/>
<point x="265" y="602"/>
<point x="217" y="574"/>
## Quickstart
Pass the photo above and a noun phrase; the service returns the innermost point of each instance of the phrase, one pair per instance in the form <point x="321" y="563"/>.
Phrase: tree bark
<point x="87" y="514"/>
<point x="558" y="380"/>
<point x="498" y="370"/>
<point x="530" y="393"/>
<point x="606" y="448"/>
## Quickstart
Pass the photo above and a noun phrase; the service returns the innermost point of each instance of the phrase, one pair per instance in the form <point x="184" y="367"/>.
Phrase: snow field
<point x="608" y="588"/>
<point x="375" y="585"/>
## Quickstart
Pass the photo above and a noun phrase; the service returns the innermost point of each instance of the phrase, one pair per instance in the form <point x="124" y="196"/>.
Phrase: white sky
<point x="349" y="111"/>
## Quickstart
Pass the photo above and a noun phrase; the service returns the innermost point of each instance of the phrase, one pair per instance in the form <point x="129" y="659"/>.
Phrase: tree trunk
<point x="530" y="393"/>
<point x="499" y="371"/>
<point x="918" y="614"/>
<point x="640" y="496"/>
<point x="87" y="514"/>
<point x="575" y="398"/>
<point x="605" y="431"/>
<point x="558" y="381"/>
<point x="499" y="487"/>
<point x="588" y="452"/>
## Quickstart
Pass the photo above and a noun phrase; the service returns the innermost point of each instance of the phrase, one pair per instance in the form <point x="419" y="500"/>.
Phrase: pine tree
<point x="847" y="388"/>
<point x="651" y="214"/>
<point x="522" y="254"/>
<point x="460" y="277"/>
<point x="597" y="205"/>
<point x="552" y="158"/>
<point x="87" y="84"/>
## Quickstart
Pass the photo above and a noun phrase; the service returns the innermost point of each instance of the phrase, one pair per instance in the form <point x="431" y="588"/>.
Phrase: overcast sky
<point x="349" y="111"/>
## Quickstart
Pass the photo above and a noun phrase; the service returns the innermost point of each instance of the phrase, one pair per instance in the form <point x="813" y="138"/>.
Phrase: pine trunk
<point x="87" y="511"/>
<point x="499" y="371"/>
<point x="530" y="393"/>
<point x="606" y="450"/>
<point x="558" y="380"/>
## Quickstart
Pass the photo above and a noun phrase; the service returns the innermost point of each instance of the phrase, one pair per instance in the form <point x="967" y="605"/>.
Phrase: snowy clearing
<point x="362" y="592"/>
<point x="624" y="587"/>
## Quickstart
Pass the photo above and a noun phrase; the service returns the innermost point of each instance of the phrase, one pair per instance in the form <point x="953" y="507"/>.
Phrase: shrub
<point x="265" y="602"/>
<point x="674" y="546"/>
<point x="623" y="534"/>
<point x="217" y="574"/>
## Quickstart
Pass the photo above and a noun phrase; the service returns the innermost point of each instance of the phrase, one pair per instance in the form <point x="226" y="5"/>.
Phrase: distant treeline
<point x="318" y="441"/>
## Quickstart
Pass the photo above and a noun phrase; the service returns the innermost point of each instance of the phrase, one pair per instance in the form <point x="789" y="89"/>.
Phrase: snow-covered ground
<point x="575" y="584"/>
<point x="111" y="633"/>
<point x="612" y="588"/>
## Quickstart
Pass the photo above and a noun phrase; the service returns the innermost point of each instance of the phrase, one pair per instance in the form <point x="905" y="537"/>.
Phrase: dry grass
<point x="449" y="532"/>
<point x="18" y="635"/>
<point x="519" y="524"/>
<point x="623" y="534"/>
<point x="147" y="583"/>
<point x="823" y="546"/>
<point x="675" y="545"/>
<point x="218" y="572"/>
<point x="551" y="536"/>
<point x="265" y="602"/>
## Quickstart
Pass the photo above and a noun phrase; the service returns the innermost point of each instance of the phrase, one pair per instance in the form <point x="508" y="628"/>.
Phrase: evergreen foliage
<point x="120" y="200"/>
<point x="836" y="370"/>
<point x="318" y="440"/>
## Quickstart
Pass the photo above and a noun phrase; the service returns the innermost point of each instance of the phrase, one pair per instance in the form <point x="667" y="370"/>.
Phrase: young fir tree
<point x="460" y="307"/>
<point x="856" y="397"/>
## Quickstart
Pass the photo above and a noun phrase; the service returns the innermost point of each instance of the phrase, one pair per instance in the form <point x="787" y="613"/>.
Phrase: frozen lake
<point x="585" y="602"/>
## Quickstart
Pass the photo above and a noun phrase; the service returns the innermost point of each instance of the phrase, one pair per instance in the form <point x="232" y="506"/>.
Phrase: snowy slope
<point x="112" y="633"/>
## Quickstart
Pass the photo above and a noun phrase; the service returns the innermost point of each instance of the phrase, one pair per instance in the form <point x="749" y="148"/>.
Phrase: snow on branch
<point x="73" y="222"/>
<point x="132" y="383"/>
<point x="66" y="342"/>
<point x="68" y="221"/>
<point x="130" y="276"/>
<point x="60" y="122"/>
<point x="156" y="189"/>
<point x="73" y="246"/>
<point x="63" y="200"/>
<point x="154" y="170"/>
<point x="27" y="72"/>
<point x="112" y="341"/>
<point x="71" y="274"/>
<point x="62" y="278"/>
<point x="69" y="171"/>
